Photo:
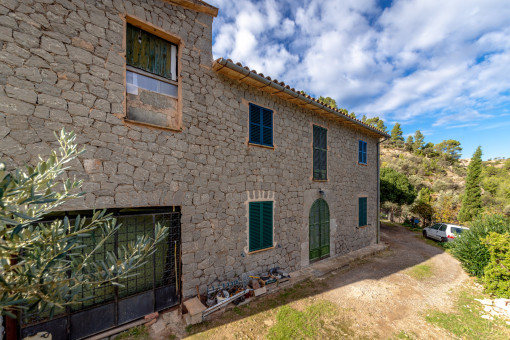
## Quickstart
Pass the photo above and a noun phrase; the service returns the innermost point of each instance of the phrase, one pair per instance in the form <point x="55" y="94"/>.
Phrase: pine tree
<point x="419" y="140"/>
<point x="397" y="137"/>
<point x="472" y="199"/>
<point x="409" y="143"/>
<point x="328" y="101"/>
<point x="376" y="122"/>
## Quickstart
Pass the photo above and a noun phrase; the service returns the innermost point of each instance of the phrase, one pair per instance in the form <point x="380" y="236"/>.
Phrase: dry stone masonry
<point x="62" y="64"/>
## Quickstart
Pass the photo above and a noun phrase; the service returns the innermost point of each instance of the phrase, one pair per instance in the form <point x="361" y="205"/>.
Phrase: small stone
<point x="79" y="55"/>
<point x="92" y="165"/>
<point x="53" y="102"/>
<point x="159" y="326"/>
<point x="4" y="131"/>
<point x="53" y="46"/>
<point x="28" y="96"/>
<point x="487" y="302"/>
<point x="502" y="303"/>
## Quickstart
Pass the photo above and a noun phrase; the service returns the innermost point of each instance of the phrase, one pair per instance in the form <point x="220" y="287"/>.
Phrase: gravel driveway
<point x="376" y="297"/>
<point x="386" y="296"/>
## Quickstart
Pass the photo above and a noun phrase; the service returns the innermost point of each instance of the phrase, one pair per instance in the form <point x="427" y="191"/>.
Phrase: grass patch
<point x="319" y="320"/>
<point x="420" y="271"/>
<point x="466" y="322"/>
<point x="407" y="226"/>
<point x="441" y="245"/>
<point x="255" y="311"/>
<point x="135" y="333"/>
<point x="419" y="230"/>
<point x="404" y="335"/>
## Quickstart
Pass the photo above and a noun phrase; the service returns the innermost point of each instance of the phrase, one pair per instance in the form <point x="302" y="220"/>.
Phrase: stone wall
<point x="62" y="65"/>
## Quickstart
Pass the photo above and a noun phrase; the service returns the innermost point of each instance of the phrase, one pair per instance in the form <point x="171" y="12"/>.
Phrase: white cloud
<point x="417" y="58"/>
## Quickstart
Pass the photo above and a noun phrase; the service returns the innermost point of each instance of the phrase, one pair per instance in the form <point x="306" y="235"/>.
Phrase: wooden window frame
<point x="154" y="33"/>
<point x="174" y="39"/>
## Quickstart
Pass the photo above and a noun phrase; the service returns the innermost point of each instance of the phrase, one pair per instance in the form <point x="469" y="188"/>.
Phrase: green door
<point x="319" y="230"/>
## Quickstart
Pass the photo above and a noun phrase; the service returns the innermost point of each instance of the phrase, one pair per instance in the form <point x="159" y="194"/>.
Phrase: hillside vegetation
<point x="438" y="176"/>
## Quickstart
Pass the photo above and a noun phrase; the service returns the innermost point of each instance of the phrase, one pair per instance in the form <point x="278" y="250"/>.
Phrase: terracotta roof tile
<point x="340" y="111"/>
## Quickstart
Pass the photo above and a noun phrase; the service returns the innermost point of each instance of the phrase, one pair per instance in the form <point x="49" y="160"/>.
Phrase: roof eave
<point x="244" y="73"/>
<point x="204" y="8"/>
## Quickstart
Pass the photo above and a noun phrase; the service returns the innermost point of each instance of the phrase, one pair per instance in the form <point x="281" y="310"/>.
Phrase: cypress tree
<point x="472" y="199"/>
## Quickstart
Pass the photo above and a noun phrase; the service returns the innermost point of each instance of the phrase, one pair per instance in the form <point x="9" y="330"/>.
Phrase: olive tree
<point x="45" y="266"/>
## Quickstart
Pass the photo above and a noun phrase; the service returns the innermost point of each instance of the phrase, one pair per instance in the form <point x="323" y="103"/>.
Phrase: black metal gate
<point x="155" y="287"/>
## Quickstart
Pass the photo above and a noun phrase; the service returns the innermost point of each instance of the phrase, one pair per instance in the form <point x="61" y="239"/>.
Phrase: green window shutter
<point x="320" y="153"/>
<point x="362" y="208"/>
<point x="255" y="124"/>
<point x="267" y="224"/>
<point x="267" y="127"/>
<point x="148" y="52"/>
<point x="260" y="225"/>
<point x="324" y="154"/>
<point x="254" y="226"/>
<point x="362" y="152"/>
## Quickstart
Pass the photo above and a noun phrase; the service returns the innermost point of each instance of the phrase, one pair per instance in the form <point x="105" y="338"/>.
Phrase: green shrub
<point x="496" y="277"/>
<point x="470" y="249"/>
<point x="407" y="223"/>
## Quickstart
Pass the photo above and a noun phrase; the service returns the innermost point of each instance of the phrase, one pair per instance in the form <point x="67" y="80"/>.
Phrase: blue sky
<point x="442" y="67"/>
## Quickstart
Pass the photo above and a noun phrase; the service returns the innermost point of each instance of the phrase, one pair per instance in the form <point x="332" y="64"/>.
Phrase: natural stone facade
<point x="62" y="64"/>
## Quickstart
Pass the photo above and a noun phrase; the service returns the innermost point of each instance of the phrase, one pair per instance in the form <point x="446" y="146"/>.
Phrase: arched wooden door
<point x="319" y="230"/>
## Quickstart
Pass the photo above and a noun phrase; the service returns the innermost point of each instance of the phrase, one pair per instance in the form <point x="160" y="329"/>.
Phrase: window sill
<point x="364" y="226"/>
<point x="262" y="146"/>
<point x="320" y="180"/>
<point x="260" y="250"/>
<point x="167" y="128"/>
<point x="363" y="164"/>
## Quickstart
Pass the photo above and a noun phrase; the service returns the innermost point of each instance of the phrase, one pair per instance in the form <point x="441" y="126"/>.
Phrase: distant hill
<point x="439" y="180"/>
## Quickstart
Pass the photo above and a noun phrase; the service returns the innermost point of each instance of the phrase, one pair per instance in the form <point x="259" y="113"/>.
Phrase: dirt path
<point x="380" y="296"/>
<point x="391" y="291"/>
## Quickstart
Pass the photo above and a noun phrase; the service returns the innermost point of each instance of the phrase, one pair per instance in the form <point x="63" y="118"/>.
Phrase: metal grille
<point x="154" y="287"/>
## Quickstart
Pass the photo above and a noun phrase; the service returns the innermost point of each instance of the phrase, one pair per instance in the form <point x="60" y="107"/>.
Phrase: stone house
<point x="251" y="173"/>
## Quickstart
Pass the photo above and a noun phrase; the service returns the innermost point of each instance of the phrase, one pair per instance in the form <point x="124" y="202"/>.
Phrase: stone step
<point x="194" y="306"/>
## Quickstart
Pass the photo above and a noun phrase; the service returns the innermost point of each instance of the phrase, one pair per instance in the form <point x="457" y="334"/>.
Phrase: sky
<point x="441" y="67"/>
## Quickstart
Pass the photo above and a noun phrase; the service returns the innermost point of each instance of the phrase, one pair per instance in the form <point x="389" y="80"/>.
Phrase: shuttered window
<point x="362" y="152"/>
<point x="261" y="125"/>
<point x="320" y="153"/>
<point x="150" y="53"/>
<point x="260" y="225"/>
<point x="362" y="209"/>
